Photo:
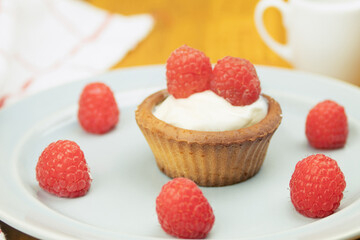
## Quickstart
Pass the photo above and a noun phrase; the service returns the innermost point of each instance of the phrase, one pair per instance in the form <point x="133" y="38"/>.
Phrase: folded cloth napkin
<point x="44" y="43"/>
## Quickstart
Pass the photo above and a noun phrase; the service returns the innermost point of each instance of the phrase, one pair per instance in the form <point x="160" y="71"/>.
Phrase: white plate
<point x="121" y="201"/>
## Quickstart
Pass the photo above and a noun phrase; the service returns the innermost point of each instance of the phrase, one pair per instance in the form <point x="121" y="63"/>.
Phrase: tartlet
<point x="208" y="158"/>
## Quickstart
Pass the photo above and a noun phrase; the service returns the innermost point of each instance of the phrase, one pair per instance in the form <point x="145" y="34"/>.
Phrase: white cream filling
<point x="206" y="111"/>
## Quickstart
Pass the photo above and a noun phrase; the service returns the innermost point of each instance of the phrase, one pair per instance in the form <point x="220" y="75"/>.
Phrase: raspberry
<point x="236" y="80"/>
<point x="183" y="211"/>
<point x="62" y="170"/>
<point x="188" y="71"/>
<point x="316" y="186"/>
<point x="326" y="125"/>
<point x="98" y="111"/>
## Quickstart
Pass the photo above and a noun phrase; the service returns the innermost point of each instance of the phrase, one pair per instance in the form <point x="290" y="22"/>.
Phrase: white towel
<point x="44" y="43"/>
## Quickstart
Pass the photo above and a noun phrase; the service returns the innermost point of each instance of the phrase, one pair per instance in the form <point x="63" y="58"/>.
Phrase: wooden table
<point x="219" y="28"/>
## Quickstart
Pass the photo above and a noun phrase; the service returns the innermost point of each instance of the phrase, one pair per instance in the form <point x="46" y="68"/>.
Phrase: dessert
<point x="209" y="158"/>
<point x="316" y="186"/>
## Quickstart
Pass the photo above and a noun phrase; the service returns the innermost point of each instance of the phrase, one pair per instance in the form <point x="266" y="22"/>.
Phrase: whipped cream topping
<point x="206" y="111"/>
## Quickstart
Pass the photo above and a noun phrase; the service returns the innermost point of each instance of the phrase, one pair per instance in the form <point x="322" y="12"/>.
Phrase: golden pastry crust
<point x="208" y="158"/>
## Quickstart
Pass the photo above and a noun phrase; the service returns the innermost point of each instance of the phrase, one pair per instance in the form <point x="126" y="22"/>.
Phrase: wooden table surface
<point x="219" y="28"/>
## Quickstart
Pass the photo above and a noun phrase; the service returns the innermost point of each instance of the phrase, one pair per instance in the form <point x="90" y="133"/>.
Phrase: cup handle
<point x="282" y="49"/>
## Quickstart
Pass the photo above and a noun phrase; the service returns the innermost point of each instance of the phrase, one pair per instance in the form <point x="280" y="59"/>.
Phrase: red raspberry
<point x="98" y="111"/>
<point x="183" y="211"/>
<point x="316" y="186"/>
<point x="188" y="71"/>
<point x="236" y="80"/>
<point x="62" y="170"/>
<point x="326" y="126"/>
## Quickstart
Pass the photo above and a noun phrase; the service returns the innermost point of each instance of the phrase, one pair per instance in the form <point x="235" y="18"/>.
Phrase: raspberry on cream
<point x="206" y="111"/>
<point x="188" y="71"/>
<point x="236" y="80"/>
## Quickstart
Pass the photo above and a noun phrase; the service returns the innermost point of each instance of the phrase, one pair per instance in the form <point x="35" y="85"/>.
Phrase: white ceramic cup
<point x="323" y="36"/>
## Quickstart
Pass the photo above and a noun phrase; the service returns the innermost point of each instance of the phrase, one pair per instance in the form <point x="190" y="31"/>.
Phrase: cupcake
<point x="212" y="126"/>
